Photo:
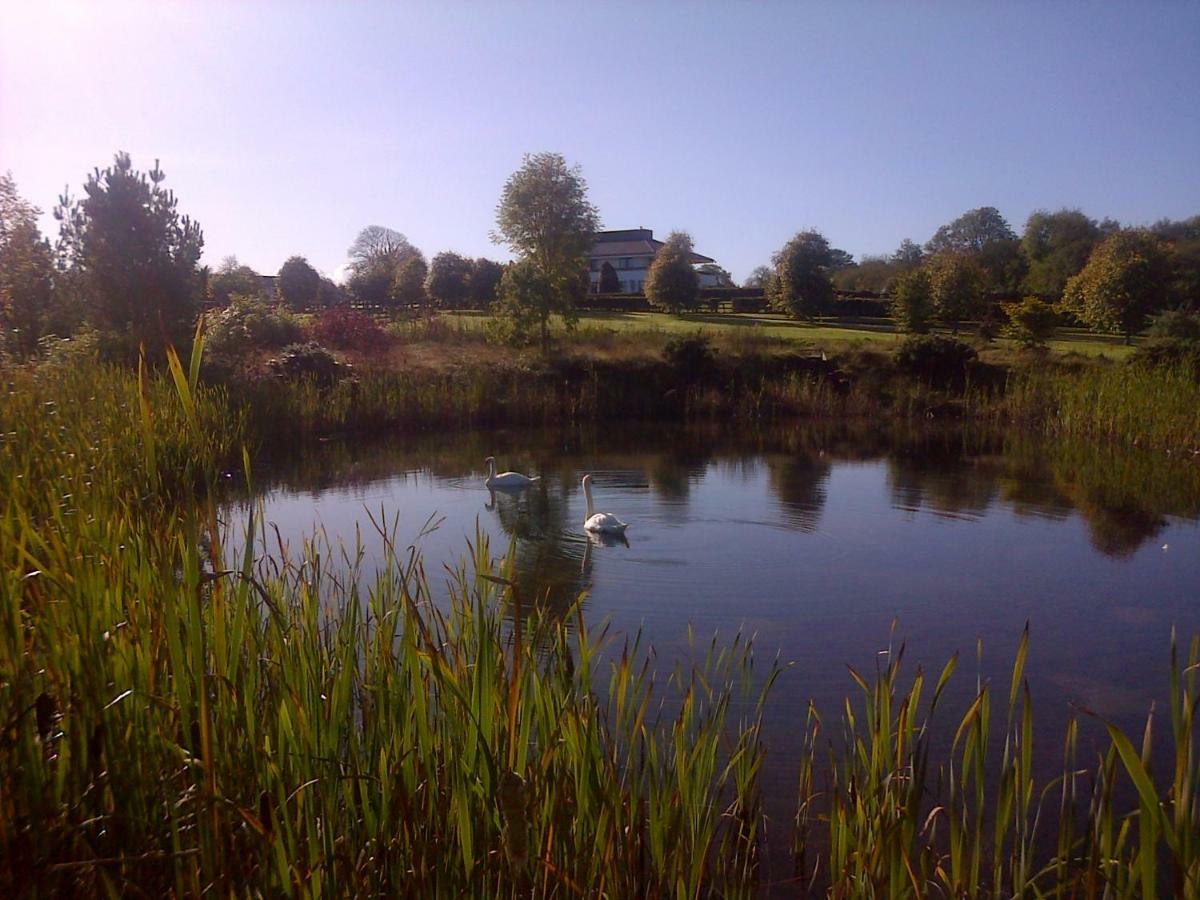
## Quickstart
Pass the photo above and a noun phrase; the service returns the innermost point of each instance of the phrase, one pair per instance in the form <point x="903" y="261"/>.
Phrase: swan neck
<point x="587" y="493"/>
<point x="491" y="467"/>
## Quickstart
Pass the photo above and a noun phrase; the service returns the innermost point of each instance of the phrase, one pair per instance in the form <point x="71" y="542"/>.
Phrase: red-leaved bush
<point x="348" y="329"/>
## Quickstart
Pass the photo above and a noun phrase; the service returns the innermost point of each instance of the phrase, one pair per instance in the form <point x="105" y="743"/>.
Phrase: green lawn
<point x="876" y="333"/>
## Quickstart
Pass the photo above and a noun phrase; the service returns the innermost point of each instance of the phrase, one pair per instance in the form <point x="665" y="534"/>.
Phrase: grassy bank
<point x="175" y="721"/>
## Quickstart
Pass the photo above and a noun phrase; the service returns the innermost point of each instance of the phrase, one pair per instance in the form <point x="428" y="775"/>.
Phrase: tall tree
<point x="801" y="284"/>
<point x="408" y="287"/>
<point x="1183" y="238"/>
<point x="759" y="277"/>
<point x="985" y="235"/>
<point x="448" y="282"/>
<point x="375" y="246"/>
<point x="136" y="258"/>
<point x="232" y="278"/>
<point x="27" y="307"/>
<point x="298" y="283"/>
<point x="484" y="282"/>
<point x="909" y="254"/>
<point x="1056" y="246"/>
<point x="1126" y="279"/>
<point x="545" y="217"/>
<point x="672" y="283"/>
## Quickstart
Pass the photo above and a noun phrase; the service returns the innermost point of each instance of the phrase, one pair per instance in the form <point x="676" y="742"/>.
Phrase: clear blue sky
<point x="286" y="127"/>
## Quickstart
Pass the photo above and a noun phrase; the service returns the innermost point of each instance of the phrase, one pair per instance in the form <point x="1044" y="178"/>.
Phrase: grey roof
<point x="633" y="242"/>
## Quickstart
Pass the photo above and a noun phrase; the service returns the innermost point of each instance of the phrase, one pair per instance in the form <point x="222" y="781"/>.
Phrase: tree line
<point x="126" y="263"/>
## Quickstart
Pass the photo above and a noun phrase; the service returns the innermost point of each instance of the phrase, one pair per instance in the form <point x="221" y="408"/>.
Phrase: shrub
<point x="1030" y="322"/>
<point x="1173" y="339"/>
<point x="693" y="358"/>
<point x="249" y="323"/>
<point x="349" y="329"/>
<point x="308" y="360"/>
<point x="939" y="360"/>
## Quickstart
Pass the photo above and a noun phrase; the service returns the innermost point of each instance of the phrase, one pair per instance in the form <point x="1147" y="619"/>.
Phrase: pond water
<point x="816" y="540"/>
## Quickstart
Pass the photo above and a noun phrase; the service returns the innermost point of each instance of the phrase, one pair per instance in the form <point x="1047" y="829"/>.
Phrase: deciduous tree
<point x="484" y="282"/>
<point x="1126" y="279"/>
<point x="545" y="217"/>
<point x="298" y="283"/>
<point x="408" y="288"/>
<point x="27" y="308"/>
<point x="448" y="282"/>
<point x="801" y="284"/>
<point x="912" y="301"/>
<point x="1056" y="246"/>
<point x="956" y="288"/>
<point x="672" y="283"/>
<point x="231" y="278"/>
<point x="136" y="258"/>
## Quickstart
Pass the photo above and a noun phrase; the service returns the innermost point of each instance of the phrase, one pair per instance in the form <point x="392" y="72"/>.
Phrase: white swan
<point x="506" y="479"/>
<point x="602" y="523"/>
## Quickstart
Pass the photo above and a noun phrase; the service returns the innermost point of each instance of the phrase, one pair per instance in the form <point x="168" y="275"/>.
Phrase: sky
<point x="286" y="127"/>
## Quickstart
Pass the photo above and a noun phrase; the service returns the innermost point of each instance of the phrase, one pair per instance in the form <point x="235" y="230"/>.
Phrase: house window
<point x="625" y="262"/>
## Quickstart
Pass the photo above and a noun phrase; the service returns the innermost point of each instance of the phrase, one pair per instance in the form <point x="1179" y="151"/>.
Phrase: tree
<point x="759" y="277"/>
<point x="372" y="285"/>
<point x="1056" y="246"/>
<point x="956" y="288"/>
<point x="1031" y="322"/>
<point x="909" y="254"/>
<point x="233" y="278"/>
<point x="298" y="283"/>
<point x="912" y="301"/>
<point x="377" y="246"/>
<point x="135" y="257"/>
<point x="408" y="288"/>
<point x="1183" y="238"/>
<point x="839" y="259"/>
<point x="448" y="282"/>
<point x="544" y="216"/>
<point x="971" y="232"/>
<point x="525" y="301"/>
<point x="672" y="283"/>
<point x="871" y="273"/>
<point x="330" y="294"/>
<point x="27" y="309"/>
<point x="484" y="282"/>
<point x="609" y="282"/>
<point x="1127" y="278"/>
<point x="985" y="235"/>
<point x="801" y="284"/>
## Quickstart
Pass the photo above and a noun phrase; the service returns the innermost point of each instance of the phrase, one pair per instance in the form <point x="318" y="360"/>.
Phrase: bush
<point x="249" y="323"/>
<point x="941" y="361"/>
<point x="1030" y="322"/>
<point x="693" y="358"/>
<point x="309" y="360"/>
<point x="1173" y="339"/>
<point x="349" y="329"/>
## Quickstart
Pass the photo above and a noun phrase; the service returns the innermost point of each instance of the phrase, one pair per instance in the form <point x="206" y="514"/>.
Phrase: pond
<point x="816" y="540"/>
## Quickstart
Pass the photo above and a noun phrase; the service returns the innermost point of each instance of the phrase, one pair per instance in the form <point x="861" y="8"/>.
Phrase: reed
<point x="1155" y="407"/>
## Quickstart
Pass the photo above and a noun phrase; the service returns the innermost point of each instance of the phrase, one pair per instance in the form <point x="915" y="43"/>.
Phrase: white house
<point x="630" y="253"/>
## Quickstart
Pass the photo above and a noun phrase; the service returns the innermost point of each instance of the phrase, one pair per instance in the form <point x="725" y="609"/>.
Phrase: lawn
<point x="825" y="335"/>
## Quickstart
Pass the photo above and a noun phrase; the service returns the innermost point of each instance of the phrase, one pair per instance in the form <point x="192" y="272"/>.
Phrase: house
<point x="630" y="253"/>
